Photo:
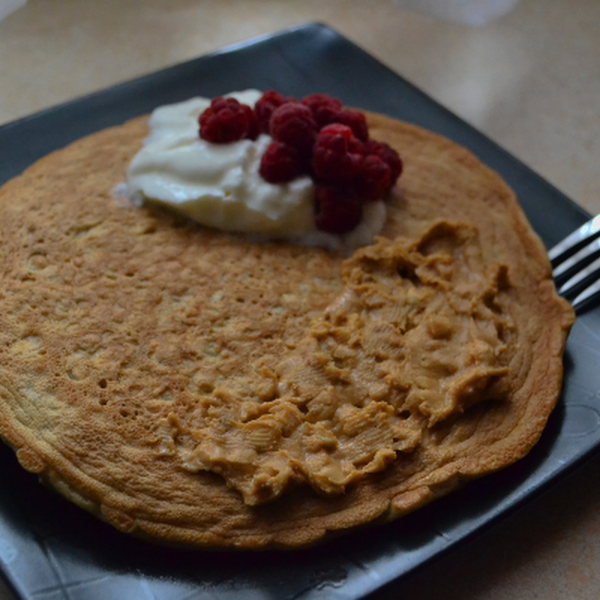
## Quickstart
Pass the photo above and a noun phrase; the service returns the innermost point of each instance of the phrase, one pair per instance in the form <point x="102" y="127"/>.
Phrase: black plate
<point x="50" y="550"/>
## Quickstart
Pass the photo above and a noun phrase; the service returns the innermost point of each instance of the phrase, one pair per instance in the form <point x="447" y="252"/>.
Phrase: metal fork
<point x="576" y="264"/>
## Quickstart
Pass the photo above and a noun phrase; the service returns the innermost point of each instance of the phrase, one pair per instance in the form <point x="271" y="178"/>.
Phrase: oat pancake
<point x="200" y="389"/>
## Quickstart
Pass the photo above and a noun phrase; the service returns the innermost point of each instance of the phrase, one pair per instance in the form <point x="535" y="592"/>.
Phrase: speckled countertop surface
<point x="529" y="80"/>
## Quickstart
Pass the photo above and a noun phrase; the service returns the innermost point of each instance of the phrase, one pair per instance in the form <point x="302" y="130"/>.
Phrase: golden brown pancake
<point x="197" y="388"/>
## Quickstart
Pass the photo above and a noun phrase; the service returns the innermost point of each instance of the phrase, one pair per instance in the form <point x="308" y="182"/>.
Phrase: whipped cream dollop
<point x="219" y="185"/>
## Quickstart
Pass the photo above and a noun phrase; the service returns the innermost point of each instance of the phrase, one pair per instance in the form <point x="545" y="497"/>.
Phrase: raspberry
<point x="317" y="136"/>
<point x="337" y="155"/>
<point x="356" y="121"/>
<point x="337" y="210"/>
<point x="253" y="129"/>
<point x="324" y="108"/>
<point x="280" y="163"/>
<point x="388" y="155"/>
<point x="374" y="181"/>
<point x="265" y="107"/>
<point x="338" y="129"/>
<point x="355" y="146"/>
<point x="226" y="120"/>
<point x="292" y="123"/>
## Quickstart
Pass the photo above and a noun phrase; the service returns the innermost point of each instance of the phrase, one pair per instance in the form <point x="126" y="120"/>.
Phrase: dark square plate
<point x="50" y="550"/>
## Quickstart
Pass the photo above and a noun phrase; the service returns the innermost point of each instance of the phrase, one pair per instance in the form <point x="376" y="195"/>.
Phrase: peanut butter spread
<point x="414" y="338"/>
<point x="200" y="388"/>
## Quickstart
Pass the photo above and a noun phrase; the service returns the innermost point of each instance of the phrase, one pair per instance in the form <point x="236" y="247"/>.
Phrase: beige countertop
<point x="530" y="80"/>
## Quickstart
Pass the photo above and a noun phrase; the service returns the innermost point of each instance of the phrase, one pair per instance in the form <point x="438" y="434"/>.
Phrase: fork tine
<point x="589" y="294"/>
<point x="578" y="260"/>
<point x="581" y="278"/>
<point x="567" y="246"/>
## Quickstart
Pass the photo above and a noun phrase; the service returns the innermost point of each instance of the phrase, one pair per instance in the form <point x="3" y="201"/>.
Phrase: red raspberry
<point x="356" y="121"/>
<point x="337" y="155"/>
<point x="387" y="154"/>
<point x="265" y="107"/>
<point x="226" y="120"/>
<point x="374" y="181"/>
<point x="280" y="163"/>
<point x="253" y="129"/>
<point x="324" y="108"/>
<point x="292" y="123"/>
<point x="319" y="137"/>
<point x="337" y="210"/>
<point x="355" y="146"/>
<point x="338" y="129"/>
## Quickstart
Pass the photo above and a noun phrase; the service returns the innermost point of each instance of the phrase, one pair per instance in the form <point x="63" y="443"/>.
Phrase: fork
<point x="576" y="264"/>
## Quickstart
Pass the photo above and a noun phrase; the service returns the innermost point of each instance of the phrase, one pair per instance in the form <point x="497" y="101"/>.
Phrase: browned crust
<point x="61" y="231"/>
